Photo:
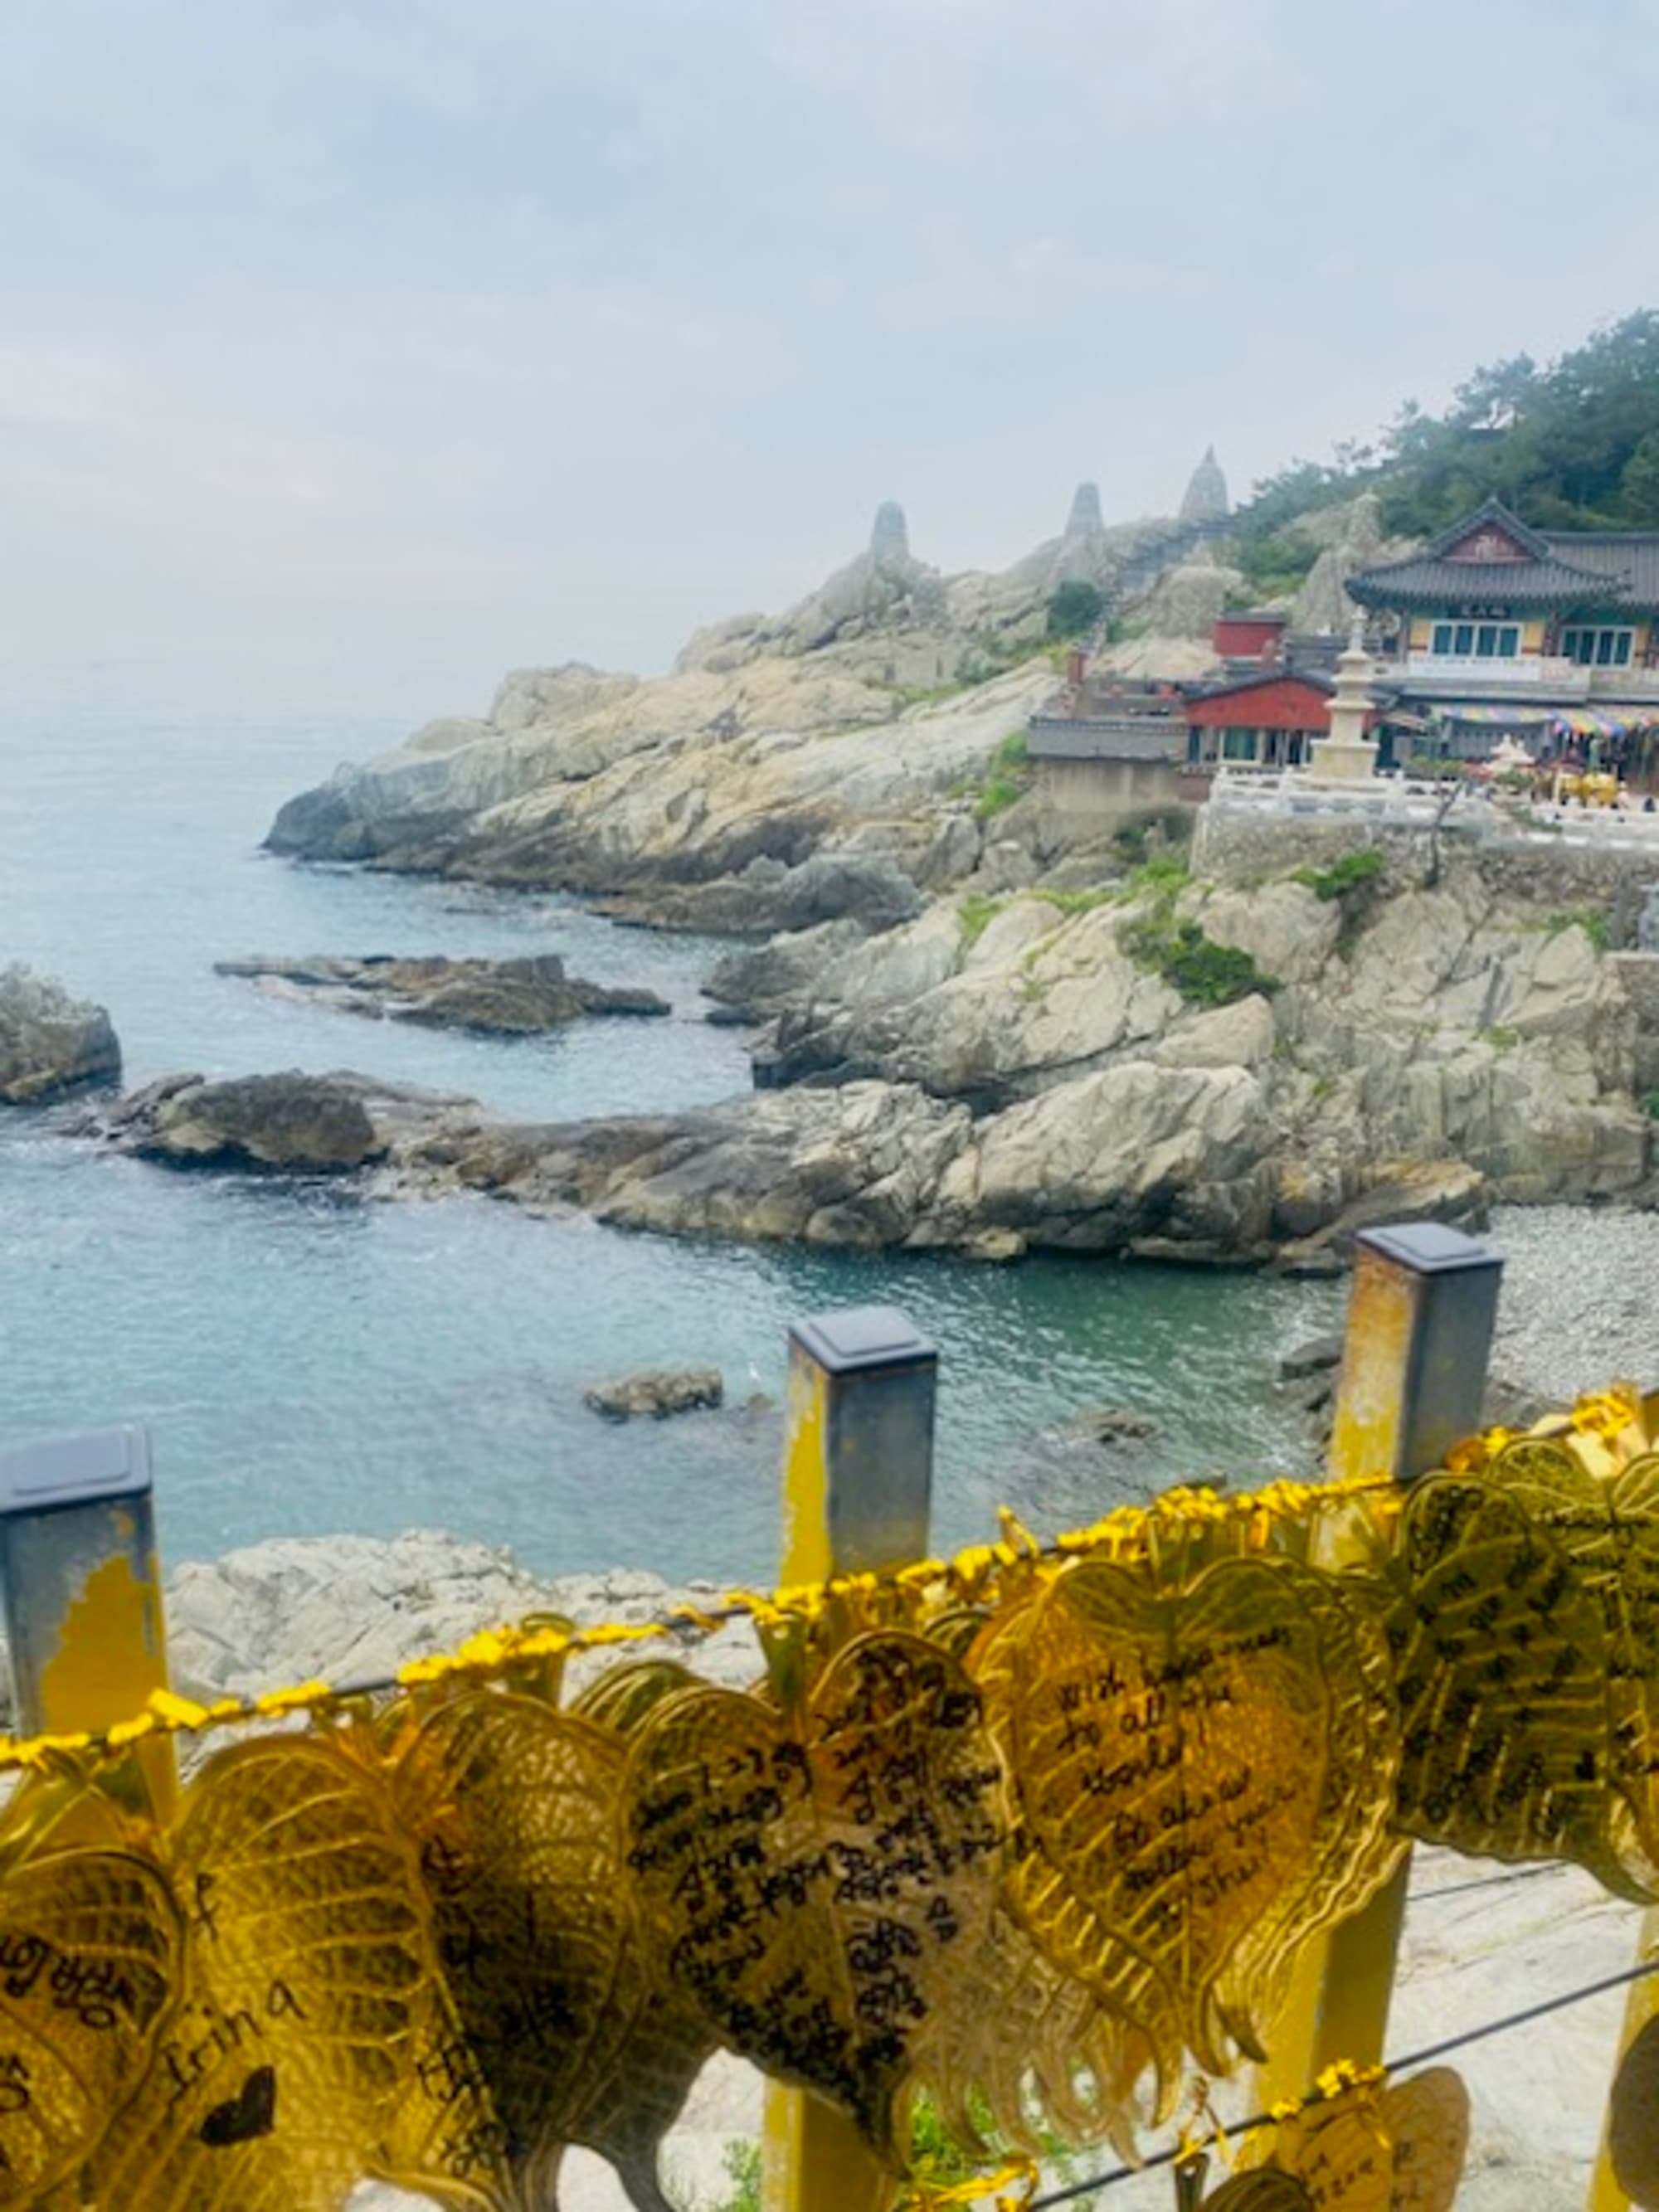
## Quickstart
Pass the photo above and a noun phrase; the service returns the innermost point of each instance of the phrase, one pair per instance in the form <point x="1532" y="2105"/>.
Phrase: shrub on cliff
<point x="1074" y="607"/>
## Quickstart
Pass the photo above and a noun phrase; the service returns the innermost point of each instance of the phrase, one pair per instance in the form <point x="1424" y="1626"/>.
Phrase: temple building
<point x="1551" y="634"/>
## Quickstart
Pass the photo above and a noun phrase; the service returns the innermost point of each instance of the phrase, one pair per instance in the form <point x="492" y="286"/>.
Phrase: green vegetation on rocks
<point x="1009" y="778"/>
<point x="1594" y="923"/>
<point x="1074" y="608"/>
<point x="976" y="914"/>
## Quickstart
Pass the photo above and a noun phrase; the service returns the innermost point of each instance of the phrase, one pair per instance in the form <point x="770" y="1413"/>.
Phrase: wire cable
<point x="1073" y="2189"/>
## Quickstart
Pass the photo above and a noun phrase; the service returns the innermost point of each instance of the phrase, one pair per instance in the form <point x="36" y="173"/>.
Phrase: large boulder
<point x="49" y="1042"/>
<point x="308" y="1124"/>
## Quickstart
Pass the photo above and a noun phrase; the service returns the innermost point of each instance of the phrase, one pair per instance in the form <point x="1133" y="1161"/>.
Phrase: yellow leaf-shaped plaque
<point x="1633" y="2119"/>
<point x="1397" y="2149"/>
<point x="819" y="1877"/>
<point x="1500" y="1655"/>
<point x="315" y="2044"/>
<point x="578" y="2037"/>
<point x="1187" y="1816"/>
<point x="1609" y="1527"/>
<point x="90" y="1961"/>
<point x="1020" y="2033"/>
<point x="1266" y="2190"/>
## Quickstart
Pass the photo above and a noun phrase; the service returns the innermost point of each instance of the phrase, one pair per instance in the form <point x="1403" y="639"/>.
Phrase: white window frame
<point x="1449" y="631"/>
<point x="1613" y="635"/>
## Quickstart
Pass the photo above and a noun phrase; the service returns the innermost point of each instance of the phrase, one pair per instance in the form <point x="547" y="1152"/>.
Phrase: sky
<point x="446" y="336"/>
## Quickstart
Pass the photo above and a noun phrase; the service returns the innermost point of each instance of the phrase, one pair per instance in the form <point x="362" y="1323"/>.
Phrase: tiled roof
<point x="1564" y="568"/>
<point x="1428" y="580"/>
<point x="1315" y="680"/>
<point x="1629" y="558"/>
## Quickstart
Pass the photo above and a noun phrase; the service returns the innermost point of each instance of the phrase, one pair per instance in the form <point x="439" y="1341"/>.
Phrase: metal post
<point x="858" y="1469"/>
<point x="81" y="1592"/>
<point x="1420" y="1317"/>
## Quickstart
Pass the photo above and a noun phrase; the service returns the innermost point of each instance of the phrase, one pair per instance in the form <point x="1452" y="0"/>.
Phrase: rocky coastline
<point x="982" y="1022"/>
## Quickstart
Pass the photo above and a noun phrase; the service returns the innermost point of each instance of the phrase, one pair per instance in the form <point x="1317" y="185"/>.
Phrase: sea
<point x="309" y="1360"/>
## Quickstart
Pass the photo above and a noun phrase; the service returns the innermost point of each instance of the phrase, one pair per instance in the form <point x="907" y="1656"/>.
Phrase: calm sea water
<point x="308" y="1361"/>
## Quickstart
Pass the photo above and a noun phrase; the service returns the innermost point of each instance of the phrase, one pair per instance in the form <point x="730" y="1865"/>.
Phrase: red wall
<point x="1287" y="704"/>
<point x="1237" y="637"/>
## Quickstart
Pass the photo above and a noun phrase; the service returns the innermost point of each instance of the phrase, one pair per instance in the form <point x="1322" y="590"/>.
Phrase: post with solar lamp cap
<point x="858" y="1478"/>
<point x="80" y="1588"/>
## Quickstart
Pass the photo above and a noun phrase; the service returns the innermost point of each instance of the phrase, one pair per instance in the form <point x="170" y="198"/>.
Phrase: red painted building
<point x="1264" y="721"/>
<point x="1249" y="636"/>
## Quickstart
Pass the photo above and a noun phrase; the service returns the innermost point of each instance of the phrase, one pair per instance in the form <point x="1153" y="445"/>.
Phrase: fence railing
<point x="1044" y="1818"/>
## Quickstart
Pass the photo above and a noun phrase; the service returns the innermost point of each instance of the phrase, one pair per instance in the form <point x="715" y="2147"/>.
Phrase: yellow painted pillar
<point x="858" y="1469"/>
<point x="1420" y="1317"/>
<point x="81" y="1591"/>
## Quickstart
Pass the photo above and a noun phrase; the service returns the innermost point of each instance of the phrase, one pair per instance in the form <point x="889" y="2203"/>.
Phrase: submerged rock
<point x="501" y="998"/>
<point x="656" y="1393"/>
<point x="1110" y="1424"/>
<point x="50" y="1043"/>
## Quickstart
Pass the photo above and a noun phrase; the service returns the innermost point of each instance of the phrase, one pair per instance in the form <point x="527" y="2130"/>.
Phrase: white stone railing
<point x="1395" y="798"/>
<point x="1598" y="825"/>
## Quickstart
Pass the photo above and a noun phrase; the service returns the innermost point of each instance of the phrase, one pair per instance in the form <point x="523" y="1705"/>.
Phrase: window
<point x="1596" y="647"/>
<point x="1238" y="744"/>
<point x="1478" y="640"/>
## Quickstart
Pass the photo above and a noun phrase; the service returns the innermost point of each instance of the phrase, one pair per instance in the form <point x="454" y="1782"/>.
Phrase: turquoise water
<point x="309" y="1361"/>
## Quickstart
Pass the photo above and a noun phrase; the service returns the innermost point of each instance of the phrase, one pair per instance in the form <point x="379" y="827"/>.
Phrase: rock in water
<point x="50" y="1043"/>
<point x="1111" y="1424"/>
<point x="657" y="1392"/>
<point x="311" y="1124"/>
<point x="501" y="998"/>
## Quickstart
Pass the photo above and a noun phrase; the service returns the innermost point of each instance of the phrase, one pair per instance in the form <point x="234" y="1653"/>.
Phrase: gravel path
<point x="1580" y="1302"/>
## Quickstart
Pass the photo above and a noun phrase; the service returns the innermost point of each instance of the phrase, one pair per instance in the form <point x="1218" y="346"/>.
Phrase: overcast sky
<point x="471" y="333"/>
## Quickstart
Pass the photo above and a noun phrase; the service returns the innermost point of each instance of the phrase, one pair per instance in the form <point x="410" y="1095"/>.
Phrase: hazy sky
<point x="471" y="333"/>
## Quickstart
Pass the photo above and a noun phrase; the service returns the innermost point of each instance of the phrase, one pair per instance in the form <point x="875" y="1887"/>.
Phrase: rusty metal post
<point x="857" y="1471"/>
<point x="82" y="1592"/>
<point x="1420" y="1319"/>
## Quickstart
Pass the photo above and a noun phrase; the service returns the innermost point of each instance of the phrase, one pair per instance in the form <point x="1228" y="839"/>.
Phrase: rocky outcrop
<point x="1205" y="498"/>
<point x="351" y="1608"/>
<point x="499" y="998"/>
<point x="1042" y="1071"/>
<point x="655" y="1393"/>
<point x="1350" y="538"/>
<point x="292" y="1123"/>
<point x="754" y="746"/>
<point x="51" y="1043"/>
<point x="1186" y="600"/>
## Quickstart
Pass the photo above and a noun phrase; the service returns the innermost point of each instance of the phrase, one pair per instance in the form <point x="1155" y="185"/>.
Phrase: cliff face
<point x="775" y="737"/>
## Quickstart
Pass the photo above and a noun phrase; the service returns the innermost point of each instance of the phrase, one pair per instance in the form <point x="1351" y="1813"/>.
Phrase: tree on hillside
<point x="1074" y="608"/>
<point x="1573" y="445"/>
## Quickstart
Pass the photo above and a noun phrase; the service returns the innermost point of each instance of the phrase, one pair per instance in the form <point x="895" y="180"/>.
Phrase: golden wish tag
<point x="1266" y="2190"/>
<point x="1633" y="2120"/>
<point x="1500" y="1656"/>
<point x="1187" y="1815"/>
<point x="577" y="2035"/>
<point x="818" y="1877"/>
<point x="1029" y="2055"/>
<point x="1395" y="2149"/>
<point x="90" y="1962"/>
<point x="315" y="2044"/>
<point x="1608" y="1525"/>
